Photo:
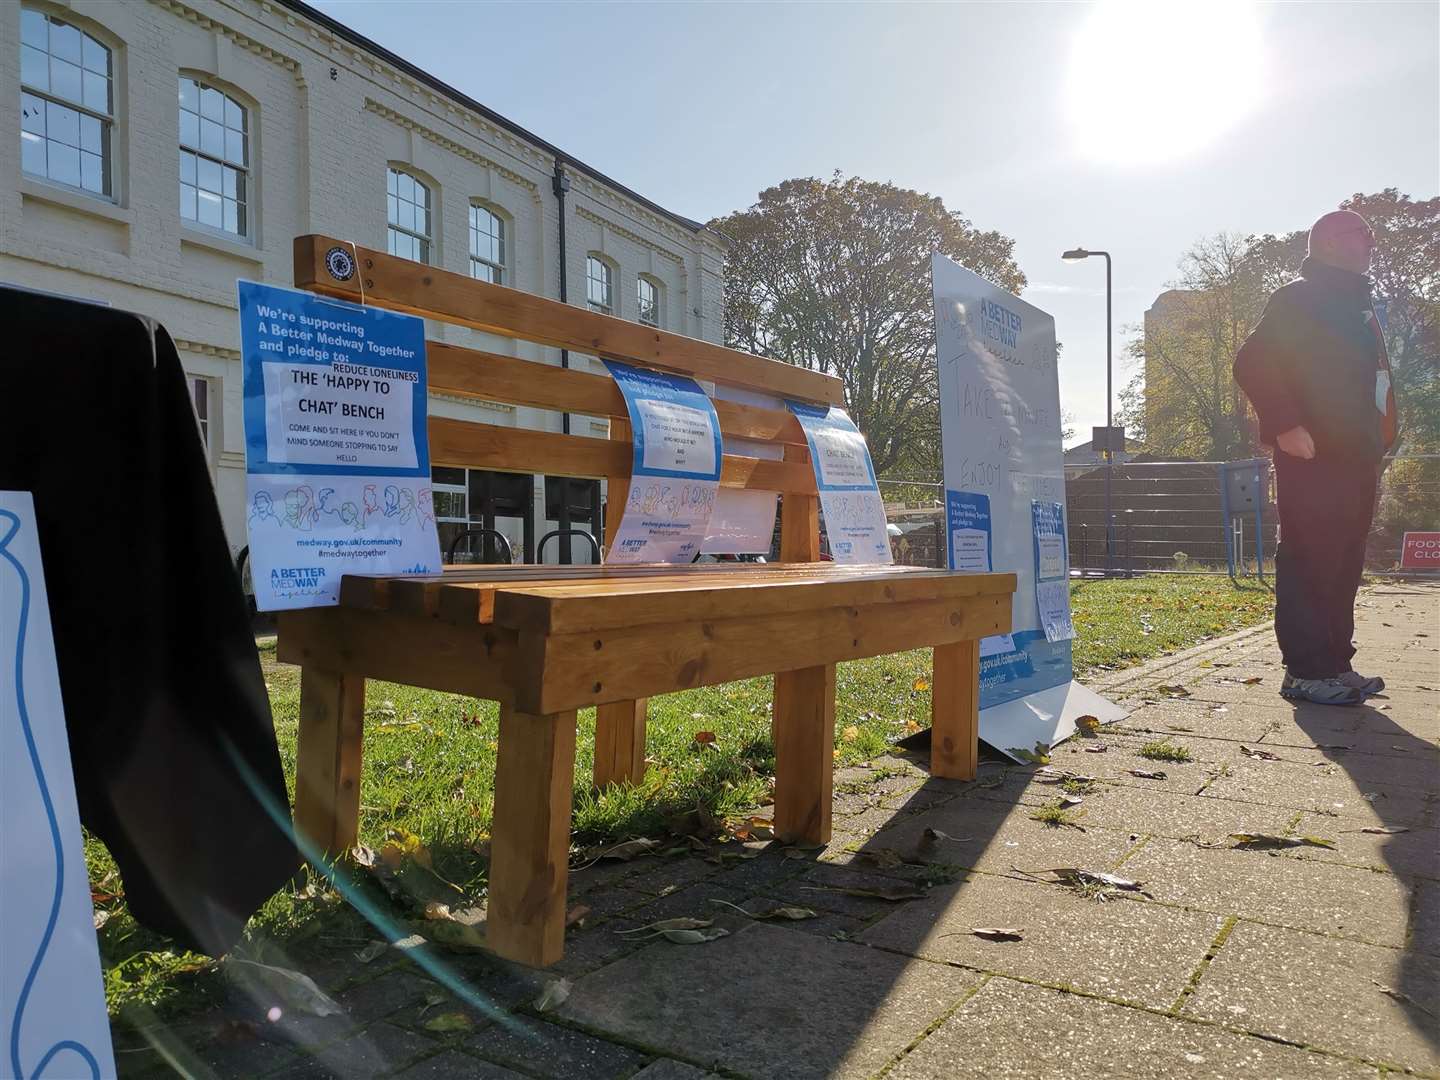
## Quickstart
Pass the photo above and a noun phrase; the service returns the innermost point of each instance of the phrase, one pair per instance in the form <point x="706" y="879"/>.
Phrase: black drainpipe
<point x="560" y="184"/>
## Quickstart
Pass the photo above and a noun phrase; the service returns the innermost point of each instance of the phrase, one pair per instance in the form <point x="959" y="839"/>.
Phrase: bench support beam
<point x="530" y="836"/>
<point x="620" y="742"/>
<point x="327" y="759"/>
<point x="955" y="716"/>
<point x="804" y="732"/>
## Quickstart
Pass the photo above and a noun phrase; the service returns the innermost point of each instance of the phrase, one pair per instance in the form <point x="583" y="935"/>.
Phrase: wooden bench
<point x="545" y="641"/>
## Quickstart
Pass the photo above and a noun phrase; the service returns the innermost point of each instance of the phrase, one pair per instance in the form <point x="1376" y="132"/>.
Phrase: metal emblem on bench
<point x="340" y="264"/>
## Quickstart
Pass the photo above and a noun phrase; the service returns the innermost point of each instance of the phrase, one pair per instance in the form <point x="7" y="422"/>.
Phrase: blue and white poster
<point x="1000" y="428"/>
<point x="52" y="997"/>
<point x="1052" y="571"/>
<point x="845" y="476"/>
<point x="336" y="450"/>
<point x="675" y="473"/>
<point x="967" y="532"/>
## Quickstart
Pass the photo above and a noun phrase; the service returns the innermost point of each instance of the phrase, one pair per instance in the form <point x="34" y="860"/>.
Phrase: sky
<point x="1136" y="128"/>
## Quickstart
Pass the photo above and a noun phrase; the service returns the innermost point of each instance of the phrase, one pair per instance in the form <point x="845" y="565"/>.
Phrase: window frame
<point x="106" y="121"/>
<point x="592" y="260"/>
<point x="245" y="185"/>
<point x="499" y="270"/>
<point x="657" y="301"/>
<point x="426" y="239"/>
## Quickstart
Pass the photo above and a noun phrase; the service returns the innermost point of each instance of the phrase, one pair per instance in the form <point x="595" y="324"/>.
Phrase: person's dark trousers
<point x="1325" y="512"/>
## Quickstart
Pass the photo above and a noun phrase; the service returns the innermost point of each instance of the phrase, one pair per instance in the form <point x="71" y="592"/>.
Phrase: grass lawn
<point x="430" y="766"/>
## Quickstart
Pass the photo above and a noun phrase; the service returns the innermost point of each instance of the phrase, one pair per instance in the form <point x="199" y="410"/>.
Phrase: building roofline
<point x="355" y="38"/>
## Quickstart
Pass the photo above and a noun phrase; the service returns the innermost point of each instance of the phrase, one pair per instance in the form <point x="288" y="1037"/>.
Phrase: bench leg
<point x="955" y="715"/>
<point x="327" y="759"/>
<point x="804" y="733"/>
<point x="620" y="742"/>
<point x="530" y="837"/>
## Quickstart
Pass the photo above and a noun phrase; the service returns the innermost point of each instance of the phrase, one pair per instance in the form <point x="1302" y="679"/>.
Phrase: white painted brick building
<point x="153" y="151"/>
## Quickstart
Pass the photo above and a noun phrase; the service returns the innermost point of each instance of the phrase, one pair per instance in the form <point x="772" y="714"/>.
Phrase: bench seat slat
<point x="568" y="608"/>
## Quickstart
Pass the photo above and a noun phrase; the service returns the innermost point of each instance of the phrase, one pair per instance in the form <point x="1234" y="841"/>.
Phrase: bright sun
<point x="1153" y="80"/>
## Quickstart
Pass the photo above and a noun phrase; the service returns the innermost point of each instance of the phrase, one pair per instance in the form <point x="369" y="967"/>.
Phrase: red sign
<point x="1420" y="551"/>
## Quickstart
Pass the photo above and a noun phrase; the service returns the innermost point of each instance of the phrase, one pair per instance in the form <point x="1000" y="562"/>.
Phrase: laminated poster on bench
<point x="1005" y="478"/>
<point x="337" y="455"/>
<point x="52" y="997"/>
<point x="845" y="477"/>
<point x="675" y="472"/>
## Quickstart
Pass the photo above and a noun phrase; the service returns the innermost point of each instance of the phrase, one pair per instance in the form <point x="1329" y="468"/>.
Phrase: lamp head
<point x="1075" y="255"/>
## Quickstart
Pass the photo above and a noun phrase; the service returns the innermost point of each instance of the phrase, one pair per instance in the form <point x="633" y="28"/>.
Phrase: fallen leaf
<point x="1175" y="691"/>
<point x="1253" y="680"/>
<point x="665" y="925"/>
<point x="792" y="913"/>
<point x="1147" y="774"/>
<point x="998" y="933"/>
<point x="453" y="934"/>
<point x="431" y="999"/>
<point x="1401" y="996"/>
<point x="447" y="1022"/>
<point x="895" y="893"/>
<point x="622" y="852"/>
<point x="576" y="915"/>
<point x="437" y="910"/>
<point x="1070" y="800"/>
<point x="1087" y="723"/>
<point x="1098" y="748"/>
<point x="932" y="835"/>
<point x="1383" y="830"/>
<point x="1177" y="727"/>
<point x="1333" y="746"/>
<point x="294" y="989"/>
<point x="850" y="734"/>
<point x="705" y="738"/>
<point x="1268" y="840"/>
<point x="1263" y="755"/>
<point x="694" y="937"/>
<point x="1371" y="796"/>
<point x="101" y="918"/>
<point x="553" y="995"/>
<point x="920" y="684"/>
<point x="371" y="951"/>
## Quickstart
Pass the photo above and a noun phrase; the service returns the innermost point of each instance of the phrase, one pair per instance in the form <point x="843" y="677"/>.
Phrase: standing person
<point x="1316" y="371"/>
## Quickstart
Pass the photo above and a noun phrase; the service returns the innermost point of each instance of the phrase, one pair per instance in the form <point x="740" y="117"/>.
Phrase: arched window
<point x="214" y="158"/>
<point x="648" y="297"/>
<point x="487" y="245"/>
<point x="599" y="285"/>
<point x="67" y="103"/>
<point x="407" y="210"/>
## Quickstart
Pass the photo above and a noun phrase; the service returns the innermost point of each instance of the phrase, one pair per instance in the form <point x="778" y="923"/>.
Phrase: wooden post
<point x="804" y="731"/>
<point x="955" y="711"/>
<point x="327" y="759"/>
<point x="619" y="725"/>
<point x="530" y="836"/>
<point x="620" y="742"/>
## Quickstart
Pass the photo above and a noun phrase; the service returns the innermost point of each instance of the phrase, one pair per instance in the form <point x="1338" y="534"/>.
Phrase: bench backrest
<point x="400" y="284"/>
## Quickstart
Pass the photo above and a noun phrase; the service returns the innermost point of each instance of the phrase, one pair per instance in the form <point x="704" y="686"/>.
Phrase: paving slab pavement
<point x="1305" y="962"/>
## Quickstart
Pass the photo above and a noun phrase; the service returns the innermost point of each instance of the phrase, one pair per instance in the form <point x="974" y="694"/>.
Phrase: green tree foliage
<point x="834" y="275"/>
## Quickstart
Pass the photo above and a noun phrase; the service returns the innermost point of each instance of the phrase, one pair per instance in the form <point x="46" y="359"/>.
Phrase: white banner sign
<point x="52" y="997"/>
<point x="849" y="496"/>
<point x="336" y="449"/>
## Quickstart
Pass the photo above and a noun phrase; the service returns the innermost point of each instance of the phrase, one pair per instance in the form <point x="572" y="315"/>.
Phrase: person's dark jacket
<point x="1311" y="362"/>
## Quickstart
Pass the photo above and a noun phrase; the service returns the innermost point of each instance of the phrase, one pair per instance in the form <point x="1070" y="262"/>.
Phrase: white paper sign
<point x="52" y="997"/>
<point x="743" y="522"/>
<point x="337" y="456"/>
<point x="675" y="472"/>
<point x="845" y="477"/>
<point x="1382" y="389"/>
<point x="1052" y="571"/>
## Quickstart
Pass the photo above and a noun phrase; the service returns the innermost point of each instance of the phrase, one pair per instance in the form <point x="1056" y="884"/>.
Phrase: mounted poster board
<point x="1000" y="431"/>
<point x="52" y="997"/>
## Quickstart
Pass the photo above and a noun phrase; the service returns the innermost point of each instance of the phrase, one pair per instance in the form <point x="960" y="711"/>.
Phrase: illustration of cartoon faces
<point x="392" y="500"/>
<point x="407" y="505"/>
<point x="651" y="500"/>
<point x="425" y="501"/>
<point x="632" y="503"/>
<point x="262" y="510"/>
<point x="300" y="508"/>
<point x="371" y="500"/>
<point x="350" y="515"/>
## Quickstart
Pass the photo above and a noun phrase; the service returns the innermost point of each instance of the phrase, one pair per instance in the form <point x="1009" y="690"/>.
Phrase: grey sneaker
<point x="1320" y="691"/>
<point x="1353" y="679"/>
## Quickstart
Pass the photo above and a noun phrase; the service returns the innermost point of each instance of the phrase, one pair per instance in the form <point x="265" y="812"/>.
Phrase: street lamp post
<point x="1075" y="255"/>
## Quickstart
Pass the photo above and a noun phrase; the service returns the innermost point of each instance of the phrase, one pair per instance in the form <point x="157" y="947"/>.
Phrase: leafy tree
<point x="834" y="275"/>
